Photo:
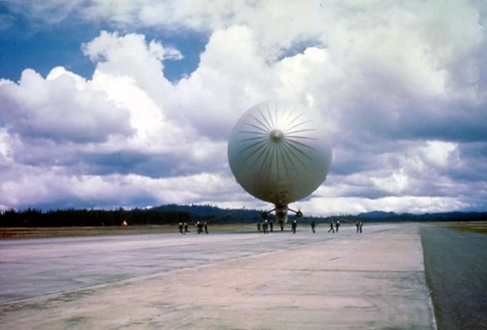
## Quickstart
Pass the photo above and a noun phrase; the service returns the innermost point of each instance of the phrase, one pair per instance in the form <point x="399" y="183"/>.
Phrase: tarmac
<point x="346" y="280"/>
<point x="456" y="273"/>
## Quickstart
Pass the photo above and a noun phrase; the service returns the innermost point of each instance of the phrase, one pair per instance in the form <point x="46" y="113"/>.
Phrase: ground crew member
<point x="199" y="227"/>
<point x="331" y="227"/>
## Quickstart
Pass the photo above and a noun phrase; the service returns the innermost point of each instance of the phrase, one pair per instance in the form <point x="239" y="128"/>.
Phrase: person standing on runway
<point x="294" y="226"/>
<point x="332" y="228"/>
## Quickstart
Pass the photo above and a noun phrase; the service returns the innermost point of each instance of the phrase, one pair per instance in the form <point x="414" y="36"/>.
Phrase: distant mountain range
<point x="218" y="215"/>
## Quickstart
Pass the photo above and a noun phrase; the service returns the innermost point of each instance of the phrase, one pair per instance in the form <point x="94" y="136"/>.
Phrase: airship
<point x="279" y="151"/>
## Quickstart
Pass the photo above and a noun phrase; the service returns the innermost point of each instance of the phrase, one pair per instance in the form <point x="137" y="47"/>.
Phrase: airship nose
<point x="277" y="136"/>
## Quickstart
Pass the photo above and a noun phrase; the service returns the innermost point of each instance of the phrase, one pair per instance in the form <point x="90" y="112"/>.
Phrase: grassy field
<point x="475" y="227"/>
<point x="6" y="233"/>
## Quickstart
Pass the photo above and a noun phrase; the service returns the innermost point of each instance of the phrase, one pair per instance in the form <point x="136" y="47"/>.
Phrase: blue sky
<point x="130" y="103"/>
<point x="33" y="45"/>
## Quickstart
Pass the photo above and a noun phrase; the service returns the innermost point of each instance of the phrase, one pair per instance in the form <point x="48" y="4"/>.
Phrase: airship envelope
<point x="279" y="151"/>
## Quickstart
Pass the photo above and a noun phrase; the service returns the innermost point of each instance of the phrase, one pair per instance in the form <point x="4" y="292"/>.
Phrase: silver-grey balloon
<point x="280" y="152"/>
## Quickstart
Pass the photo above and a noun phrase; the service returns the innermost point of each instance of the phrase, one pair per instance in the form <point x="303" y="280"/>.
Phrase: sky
<point x="119" y="103"/>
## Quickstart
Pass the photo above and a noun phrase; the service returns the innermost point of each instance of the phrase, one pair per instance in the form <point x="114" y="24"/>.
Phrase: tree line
<point x="163" y="215"/>
<point x="84" y="217"/>
<point x="172" y="214"/>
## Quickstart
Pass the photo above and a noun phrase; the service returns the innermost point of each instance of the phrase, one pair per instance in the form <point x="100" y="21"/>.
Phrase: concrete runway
<point x="456" y="273"/>
<point x="374" y="280"/>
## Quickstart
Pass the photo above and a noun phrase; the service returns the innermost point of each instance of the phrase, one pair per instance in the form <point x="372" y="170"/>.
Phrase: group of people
<point x="183" y="228"/>
<point x="200" y="227"/>
<point x="359" y="225"/>
<point x="266" y="225"/>
<point x="334" y="226"/>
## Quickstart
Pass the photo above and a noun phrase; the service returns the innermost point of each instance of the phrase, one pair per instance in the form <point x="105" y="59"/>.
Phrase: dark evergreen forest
<point x="163" y="215"/>
<point x="172" y="214"/>
<point x="81" y="218"/>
